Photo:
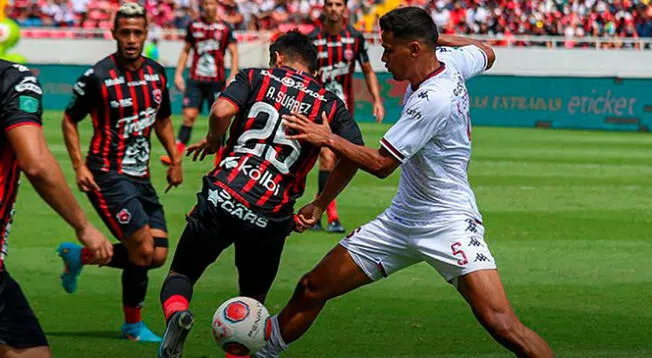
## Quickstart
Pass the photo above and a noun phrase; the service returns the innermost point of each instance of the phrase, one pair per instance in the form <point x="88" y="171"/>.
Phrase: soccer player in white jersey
<point x="434" y="217"/>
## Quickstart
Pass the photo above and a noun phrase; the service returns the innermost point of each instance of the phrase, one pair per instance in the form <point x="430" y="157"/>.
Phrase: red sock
<point x="132" y="314"/>
<point x="181" y="148"/>
<point x="86" y="256"/>
<point x="229" y="355"/>
<point x="174" y="304"/>
<point x="331" y="212"/>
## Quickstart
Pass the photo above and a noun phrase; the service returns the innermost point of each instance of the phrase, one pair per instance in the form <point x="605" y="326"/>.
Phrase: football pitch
<point x="567" y="216"/>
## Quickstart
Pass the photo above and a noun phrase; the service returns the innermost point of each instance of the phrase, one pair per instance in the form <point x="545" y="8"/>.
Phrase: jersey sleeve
<point x="20" y="98"/>
<point x="343" y="124"/>
<point x="469" y="61"/>
<point x="189" y="38"/>
<point x="363" y="54"/>
<point x="82" y="97"/>
<point x="423" y="116"/>
<point x="165" y="109"/>
<point x="239" y="91"/>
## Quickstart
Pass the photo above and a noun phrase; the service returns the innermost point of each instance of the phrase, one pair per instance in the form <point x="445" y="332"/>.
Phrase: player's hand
<point x="97" y="243"/>
<point x="307" y="217"/>
<point x="379" y="111"/>
<point x="229" y="80"/>
<point x="175" y="176"/>
<point x="309" y="131"/>
<point x="201" y="149"/>
<point x="179" y="83"/>
<point x="85" y="180"/>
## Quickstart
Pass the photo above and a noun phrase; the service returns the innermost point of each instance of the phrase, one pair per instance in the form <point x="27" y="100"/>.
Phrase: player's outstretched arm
<point x="233" y="50"/>
<point x="378" y="162"/>
<point x="218" y="123"/>
<point x="43" y="171"/>
<point x="374" y="89"/>
<point x="337" y="181"/>
<point x="179" y="83"/>
<point x="84" y="177"/>
<point x="459" y="41"/>
<point x="165" y="134"/>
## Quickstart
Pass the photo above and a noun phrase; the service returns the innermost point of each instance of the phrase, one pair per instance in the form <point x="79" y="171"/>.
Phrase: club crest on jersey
<point x="348" y="54"/>
<point x="158" y="96"/>
<point x="124" y="216"/>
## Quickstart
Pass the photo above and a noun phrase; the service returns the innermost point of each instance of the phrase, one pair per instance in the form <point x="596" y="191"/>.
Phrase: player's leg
<point x="368" y="254"/>
<point x="192" y="101"/>
<point x="457" y="249"/>
<point x="327" y="161"/>
<point x="108" y="203"/>
<point x="484" y="292"/>
<point x="257" y="257"/>
<point x="335" y="275"/>
<point x="21" y="335"/>
<point x="200" y="244"/>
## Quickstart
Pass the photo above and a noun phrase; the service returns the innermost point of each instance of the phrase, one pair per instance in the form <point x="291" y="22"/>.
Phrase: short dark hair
<point x="297" y="47"/>
<point x="411" y="23"/>
<point x="129" y="10"/>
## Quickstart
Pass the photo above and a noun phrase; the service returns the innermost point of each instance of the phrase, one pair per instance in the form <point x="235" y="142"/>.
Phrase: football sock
<point x="331" y="212"/>
<point x="120" y="257"/>
<point x="176" y="294"/>
<point x="323" y="178"/>
<point x="276" y="344"/>
<point x="184" y="134"/>
<point x="134" y="289"/>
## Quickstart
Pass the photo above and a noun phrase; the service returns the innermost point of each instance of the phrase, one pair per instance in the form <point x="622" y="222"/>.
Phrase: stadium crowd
<point x="613" y="19"/>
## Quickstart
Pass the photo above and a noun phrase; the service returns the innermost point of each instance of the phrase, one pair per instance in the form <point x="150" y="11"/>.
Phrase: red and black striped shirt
<point x="123" y="105"/>
<point x="259" y="166"/>
<point x="337" y="55"/>
<point x="20" y="104"/>
<point x="209" y="42"/>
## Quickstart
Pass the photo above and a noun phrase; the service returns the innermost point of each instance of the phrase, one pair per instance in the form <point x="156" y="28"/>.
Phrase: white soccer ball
<point x="241" y="326"/>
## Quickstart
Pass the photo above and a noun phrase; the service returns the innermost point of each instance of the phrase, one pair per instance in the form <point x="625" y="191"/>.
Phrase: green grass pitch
<point x="568" y="219"/>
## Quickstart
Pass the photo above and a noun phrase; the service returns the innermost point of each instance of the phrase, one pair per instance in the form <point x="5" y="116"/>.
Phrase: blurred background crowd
<point x="502" y="19"/>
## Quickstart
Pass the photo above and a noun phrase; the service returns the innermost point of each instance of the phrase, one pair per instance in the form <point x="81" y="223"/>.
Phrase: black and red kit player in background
<point x="23" y="148"/>
<point x="209" y="38"/>
<point x="339" y="47"/>
<point x="248" y="199"/>
<point x="126" y="95"/>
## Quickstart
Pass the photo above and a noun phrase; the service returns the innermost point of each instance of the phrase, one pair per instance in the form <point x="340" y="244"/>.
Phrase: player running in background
<point x="23" y="148"/>
<point x="339" y="46"/>
<point x="126" y="95"/>
<point x="434" y="216"/>
<point x="208" y="37"/>
<point x="248" y="199"/>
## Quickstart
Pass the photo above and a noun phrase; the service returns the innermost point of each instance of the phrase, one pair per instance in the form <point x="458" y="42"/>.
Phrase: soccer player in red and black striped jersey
<point x="248" y="199"/>
<point x="126" y="96"/>
<point x="209" y="38"/>
<point x="339" y="47"/>
<point x="23" y="148"/>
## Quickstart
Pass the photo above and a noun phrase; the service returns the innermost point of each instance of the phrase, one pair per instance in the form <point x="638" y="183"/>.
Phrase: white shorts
<point x="454" y="247"/>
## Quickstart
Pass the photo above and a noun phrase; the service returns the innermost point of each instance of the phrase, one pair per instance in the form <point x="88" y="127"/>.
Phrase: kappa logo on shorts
<point x="124" y="216"/>
<point x="475" y="242"/>
<point x="473" y="226"/>
<point x="481" y="258"/>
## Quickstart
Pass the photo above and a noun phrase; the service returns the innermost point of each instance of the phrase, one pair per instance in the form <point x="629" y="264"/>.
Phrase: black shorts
<point x="19" y="327"/>
<point x="126" y="204"/>
<point x="211" y="229"/>
<point x="198" y="91"/>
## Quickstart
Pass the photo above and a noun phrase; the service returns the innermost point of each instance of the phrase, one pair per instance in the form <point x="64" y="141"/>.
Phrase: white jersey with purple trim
<point x="432" y="140"/>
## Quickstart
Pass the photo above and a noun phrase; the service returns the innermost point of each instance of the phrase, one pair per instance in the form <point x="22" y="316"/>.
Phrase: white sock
<point x="275" y="345"/>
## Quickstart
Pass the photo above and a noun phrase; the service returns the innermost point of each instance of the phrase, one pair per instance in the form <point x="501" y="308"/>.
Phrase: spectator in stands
<point x="229" y="13"/>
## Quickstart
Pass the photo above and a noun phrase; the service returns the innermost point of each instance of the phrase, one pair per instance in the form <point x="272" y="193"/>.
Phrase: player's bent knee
<point x="308" y="289"/>
<point x="143" y="256"/>
<point x="158" y="259"/>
